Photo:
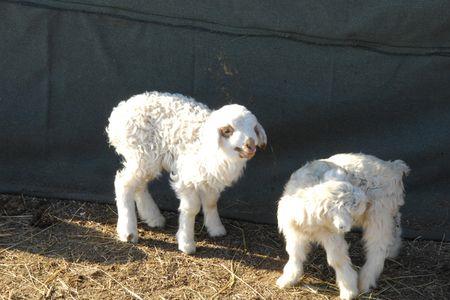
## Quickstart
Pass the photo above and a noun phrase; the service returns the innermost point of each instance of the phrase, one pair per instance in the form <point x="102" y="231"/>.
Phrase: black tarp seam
<point x="215" y="27"/>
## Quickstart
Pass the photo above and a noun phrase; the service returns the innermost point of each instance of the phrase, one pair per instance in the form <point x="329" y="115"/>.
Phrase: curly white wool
<point x="325" y="198"/>
<point x="160" y="131"/>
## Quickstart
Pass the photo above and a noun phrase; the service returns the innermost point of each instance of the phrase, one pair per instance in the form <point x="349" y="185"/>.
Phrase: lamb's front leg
<point x="213" y="224"/>
<point x="297" y="246"/>
<point x="189" y="208"/>
<point x="337" y="256"/>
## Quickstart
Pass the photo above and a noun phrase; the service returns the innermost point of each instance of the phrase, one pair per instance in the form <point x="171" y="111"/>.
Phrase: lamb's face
<point x="237" y="131"/>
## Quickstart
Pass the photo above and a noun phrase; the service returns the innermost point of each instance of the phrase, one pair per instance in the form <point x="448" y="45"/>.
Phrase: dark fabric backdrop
<point x="347" y="76"/>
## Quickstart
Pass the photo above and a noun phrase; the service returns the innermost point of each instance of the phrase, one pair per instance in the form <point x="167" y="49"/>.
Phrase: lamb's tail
<point x="116" y="128"/>
<point x="401" y="167"/>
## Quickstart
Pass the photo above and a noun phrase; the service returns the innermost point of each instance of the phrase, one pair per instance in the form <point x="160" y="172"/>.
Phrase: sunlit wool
<point x="205" y="151"/>
<point x="326" y="198"/>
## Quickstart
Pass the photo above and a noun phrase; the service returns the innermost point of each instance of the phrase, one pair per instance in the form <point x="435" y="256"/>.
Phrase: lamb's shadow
<point x="85" y="232"/>
<point x="59" y="229"/>
<point x="255" y="245"/>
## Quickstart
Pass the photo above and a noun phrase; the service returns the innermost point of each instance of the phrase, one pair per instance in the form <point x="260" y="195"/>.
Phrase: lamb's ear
<point x="210" y="135"/>
<point x="262" y="137"/>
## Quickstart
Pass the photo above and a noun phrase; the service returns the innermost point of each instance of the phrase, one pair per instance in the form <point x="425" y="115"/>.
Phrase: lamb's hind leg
<point x="125" y="185"/>
<point x="378" y="236"/>
<point x="147" y="208"/>
<point x="394" y="247"/>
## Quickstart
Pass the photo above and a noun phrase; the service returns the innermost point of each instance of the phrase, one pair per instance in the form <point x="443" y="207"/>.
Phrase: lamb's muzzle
<point x="249" y="149"/>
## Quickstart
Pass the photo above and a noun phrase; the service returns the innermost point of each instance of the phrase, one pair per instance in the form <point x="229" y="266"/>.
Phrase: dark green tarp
<point x="322" y="77"/>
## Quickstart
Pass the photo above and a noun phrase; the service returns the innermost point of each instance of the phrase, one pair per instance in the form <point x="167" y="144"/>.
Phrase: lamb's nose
<point x="250" y="145"/>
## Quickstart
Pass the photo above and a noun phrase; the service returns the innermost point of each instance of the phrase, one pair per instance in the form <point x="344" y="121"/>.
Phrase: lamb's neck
<point x="222" y="169"/>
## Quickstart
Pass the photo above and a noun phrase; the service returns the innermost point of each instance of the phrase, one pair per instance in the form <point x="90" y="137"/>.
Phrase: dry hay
<point x="68" y="250"/>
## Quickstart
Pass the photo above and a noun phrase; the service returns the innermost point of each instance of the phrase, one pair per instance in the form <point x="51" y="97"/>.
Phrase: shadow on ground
<point x="69" y="249"/>
<point x="77" y="232"/>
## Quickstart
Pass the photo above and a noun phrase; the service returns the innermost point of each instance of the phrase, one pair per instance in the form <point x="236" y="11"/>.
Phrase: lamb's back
<point x="156" y="123"/>
<point x="368" y="168"/>
<point x="378" y="178"/>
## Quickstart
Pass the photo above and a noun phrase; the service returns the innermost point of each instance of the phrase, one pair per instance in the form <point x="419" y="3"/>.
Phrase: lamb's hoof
<point x="217" y="231"/>
<point x="365" y="283"/>
<point x="346" y="294"/>
<point x="157" y="222"/>
<point x="127" y="233"/>
<point x="128" y="237"/>
<point x="187" y="248"/>
<point x="286" y="281"/>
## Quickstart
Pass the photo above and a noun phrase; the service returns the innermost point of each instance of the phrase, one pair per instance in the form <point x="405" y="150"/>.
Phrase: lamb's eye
<point x="226" y="131"/>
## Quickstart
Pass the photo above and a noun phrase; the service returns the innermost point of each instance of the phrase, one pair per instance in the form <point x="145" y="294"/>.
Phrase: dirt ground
<point x="68" y="250"/>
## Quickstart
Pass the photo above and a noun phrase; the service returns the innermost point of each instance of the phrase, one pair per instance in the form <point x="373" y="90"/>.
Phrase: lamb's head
<point x="235" y="131"/>
<point x="350" y="202"/>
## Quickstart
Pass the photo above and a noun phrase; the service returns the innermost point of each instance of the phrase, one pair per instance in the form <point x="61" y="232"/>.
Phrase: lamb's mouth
<point x="245" y="154"/>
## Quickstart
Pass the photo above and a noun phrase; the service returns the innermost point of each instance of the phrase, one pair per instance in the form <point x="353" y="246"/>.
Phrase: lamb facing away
<point x="204" y="151"/>
<point x="326" y="198"/>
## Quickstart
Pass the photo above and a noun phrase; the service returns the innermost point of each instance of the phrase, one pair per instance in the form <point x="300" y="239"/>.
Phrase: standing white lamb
<point x="326" y="198"/>
<point x="204" y="151"/>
